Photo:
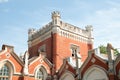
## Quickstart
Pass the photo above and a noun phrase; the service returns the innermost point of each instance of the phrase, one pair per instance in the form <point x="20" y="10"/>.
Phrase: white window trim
<point x="9" y="65"/>
<point x="42" y="69"/>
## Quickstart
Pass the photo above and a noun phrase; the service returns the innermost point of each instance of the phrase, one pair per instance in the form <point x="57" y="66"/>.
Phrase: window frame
<point x="43" y="70"/>
<point x="74" y="50"/>
<point x="5" y="75"/>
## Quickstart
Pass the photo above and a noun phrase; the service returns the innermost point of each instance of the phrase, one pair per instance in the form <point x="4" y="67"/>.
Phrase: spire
<point x="56" y="18"/>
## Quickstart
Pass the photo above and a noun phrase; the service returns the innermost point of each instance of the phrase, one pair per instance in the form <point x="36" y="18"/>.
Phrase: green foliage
<point x="116" y="52"/>
<point x="103" y="50"/>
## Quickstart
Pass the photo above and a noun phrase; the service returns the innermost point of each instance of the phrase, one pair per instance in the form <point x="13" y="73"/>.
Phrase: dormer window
<point x="42" y="48"/>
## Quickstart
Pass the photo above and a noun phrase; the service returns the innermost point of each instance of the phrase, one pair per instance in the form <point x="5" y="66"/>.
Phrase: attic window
<point x="42" y="48"/>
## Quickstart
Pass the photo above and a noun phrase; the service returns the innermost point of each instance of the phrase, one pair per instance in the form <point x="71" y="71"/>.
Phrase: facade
<point x="60" y="40"/>
<point x="59" y="51"/>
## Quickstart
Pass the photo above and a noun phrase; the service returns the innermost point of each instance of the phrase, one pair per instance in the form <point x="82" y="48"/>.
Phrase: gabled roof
<point x="91" y="58"/>
<point x="66" y="66"/>
<point x="10" y="49"/>
<point x="32" y="59"/>
<point x="42" y="56"/>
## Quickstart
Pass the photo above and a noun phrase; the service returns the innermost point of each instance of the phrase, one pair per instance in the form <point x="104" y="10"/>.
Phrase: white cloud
<point x="106" y="26"/>
<point x="3" y="1"/>
<point x="114" y="3"/>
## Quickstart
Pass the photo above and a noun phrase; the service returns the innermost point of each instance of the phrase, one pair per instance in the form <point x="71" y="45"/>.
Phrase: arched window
<point x="4" y="73"/>
<point x="40" y="75"/>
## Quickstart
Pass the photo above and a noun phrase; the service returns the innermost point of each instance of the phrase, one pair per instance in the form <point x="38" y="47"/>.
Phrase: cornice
<point x="63" y="29"/>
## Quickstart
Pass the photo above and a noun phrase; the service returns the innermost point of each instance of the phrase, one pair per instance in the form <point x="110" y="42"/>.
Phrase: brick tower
<point x="60" y="40"/>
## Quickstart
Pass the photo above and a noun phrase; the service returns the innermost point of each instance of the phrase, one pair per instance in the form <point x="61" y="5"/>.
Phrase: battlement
<point x="33" y="33"/>
<point x="63" y="29"/>
<point x="76" y="30"/>
<point x="55" y="14"/>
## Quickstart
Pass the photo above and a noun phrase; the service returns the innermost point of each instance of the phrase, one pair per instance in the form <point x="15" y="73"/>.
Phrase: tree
<point x="103" y="50"/>
<point x="116" y="52"/>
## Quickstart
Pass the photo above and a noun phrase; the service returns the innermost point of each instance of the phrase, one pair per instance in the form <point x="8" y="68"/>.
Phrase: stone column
<point x="25" y="69"/>
<point x="110" y="53"/>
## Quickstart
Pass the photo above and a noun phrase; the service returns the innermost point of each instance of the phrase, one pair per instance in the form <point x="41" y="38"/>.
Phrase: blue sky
<point x="17" y="16"/>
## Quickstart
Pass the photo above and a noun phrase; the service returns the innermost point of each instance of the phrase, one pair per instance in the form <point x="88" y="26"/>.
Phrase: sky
<point x="17" y="16"/>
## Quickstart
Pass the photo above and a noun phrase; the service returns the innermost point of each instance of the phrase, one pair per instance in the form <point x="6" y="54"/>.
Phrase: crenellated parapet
<point x="33" y="33"/>
<point x="63" y="29"/>
<point x="76" y="30"/>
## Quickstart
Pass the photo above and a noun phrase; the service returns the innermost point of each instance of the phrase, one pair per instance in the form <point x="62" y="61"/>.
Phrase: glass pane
<point x="40" y="75"/>
<point x="4" y="73"/>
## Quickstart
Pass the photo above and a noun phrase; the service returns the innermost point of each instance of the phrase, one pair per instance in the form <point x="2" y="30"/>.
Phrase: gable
<point x="95" y="73"/>
<point x="38" y="62"/>
<point x="91" y="60"/>
<point x="7" y="56"/>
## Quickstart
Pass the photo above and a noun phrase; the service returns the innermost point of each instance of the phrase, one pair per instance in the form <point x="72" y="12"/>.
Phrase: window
<point x="76" y="57"/>
<point x="42" y="48"/>
<point x="39" y="75"/>
<point x="74" y="50"/>
<point x="4" y="73"/>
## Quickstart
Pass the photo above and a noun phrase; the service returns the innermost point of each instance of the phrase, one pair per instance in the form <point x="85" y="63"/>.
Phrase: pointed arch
<point x="9" y="67"/>
<point x="67" y="76"/>
<point x="40" y="73"/>
<point x="95" y="73"/>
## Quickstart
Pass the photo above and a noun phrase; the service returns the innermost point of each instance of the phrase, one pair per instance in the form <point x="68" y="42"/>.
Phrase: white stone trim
<point x="100" y="59"/>
<point x="74" y="36"/>
<point x="44" y="69"/>
<point x="3" y="51"/>
<point x="87" y="60"/>
<point x="10" y="66"/>
<point x="39" y="39"/>
<point x="64" y="29"/>
<point x="34" y="60"/>
<point x="36" y="33"/>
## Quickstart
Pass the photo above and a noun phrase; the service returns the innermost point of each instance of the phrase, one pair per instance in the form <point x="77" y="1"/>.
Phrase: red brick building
<point x="57" y="51"/>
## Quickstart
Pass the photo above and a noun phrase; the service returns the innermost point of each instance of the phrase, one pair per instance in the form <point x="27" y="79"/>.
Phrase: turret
<point x="89" y="29"/>
<point x="31" y="32"/>
<point x="56" y="18"/>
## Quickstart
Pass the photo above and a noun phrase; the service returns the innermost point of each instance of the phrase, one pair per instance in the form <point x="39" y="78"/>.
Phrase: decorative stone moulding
<point x="64" y="29"/>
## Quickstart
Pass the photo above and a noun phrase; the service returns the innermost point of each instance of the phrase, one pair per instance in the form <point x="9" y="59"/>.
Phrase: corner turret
<point x="56" y="18"/>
